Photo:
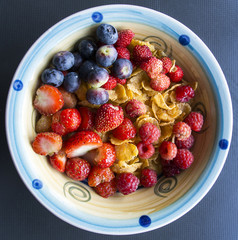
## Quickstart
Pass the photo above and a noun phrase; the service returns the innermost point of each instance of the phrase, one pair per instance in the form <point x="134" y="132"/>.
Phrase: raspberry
<point x="106" y="189"/>
<point x="127" y="183"/>
<point x="160" y="83"/>
<point x="111" y="83"/>
<point x="124" y="38"/>
<point x="149" y="133"/>
<point x="121" y="81"/>
<point x="135" y="108"/>
<point x="195" y="121"/>
<point x="184" y="93"/>
<point x="182" y="130"/>
<point x="169" y="169"/>
<point x="148" y="177"/>
<point x="187" y="144"/>
<point x="167" y="64"/>
<point x="125" y="131"/>
<point x="145" y="150"/>
<point x="152" y="67"/>
<point x="141" y="53"/>
<point x="176" y="75"/>
<point x="167" y="150"/>
<point x="123" y="52"/>
<point x="183" y="159"/>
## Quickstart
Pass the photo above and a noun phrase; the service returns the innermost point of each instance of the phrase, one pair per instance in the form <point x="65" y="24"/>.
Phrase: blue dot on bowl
<point x="37" y="184"/>
<point x="17" y="85"/>
<point x="97" y="17"/>
<point x="223" y="144"/>
<point x="184" y="40"/>
<point x="145" y="221"/>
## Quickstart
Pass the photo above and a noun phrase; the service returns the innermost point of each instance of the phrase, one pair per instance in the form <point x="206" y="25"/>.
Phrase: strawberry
<point x="48" y="100"/>
<point x="176" y="74"/>
<point x="77" y="168"/>
<point x="124" y="38"/>
<point x="111" y="83"/>
<point x="160" y="83"/>
<point x="99" y="175"/>
<point x="141" y="54"/>
<point x="106" y="155"/>
<point x="121" y="81"/>
<point x="167" y="64"/>
<point x="87" y="119"/>
<point x="124" y="131"/>
<point x="153" y="67"/>
<point x="82" y="142"/>
<point x="123" y="52"/>
<point x="66" y="121"/>
<point x="47" y="143"/>
<point x="108" y="117"/>
<point x="106" y="189"/>
<point x="70" y="100"/>
<point x="58" y="161"/>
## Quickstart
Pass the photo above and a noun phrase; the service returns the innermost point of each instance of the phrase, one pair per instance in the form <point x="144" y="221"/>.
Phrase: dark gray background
<point x="21" y="215"/>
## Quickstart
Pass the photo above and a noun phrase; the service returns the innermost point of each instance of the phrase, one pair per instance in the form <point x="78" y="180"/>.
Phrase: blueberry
<point x="63" y="60"/>
<point x="85" y="68"/>
<point x="77" y="61"/>
<point x="107" y="34"/>
<point x="97" y="77"/>
<point x="87" y="48"/>
<point x="52" y="77"/>
<point x="71" y="82"/>
<point x="122" y="68"/>
<point x="97" y="96"/>
<point x="106" y="55"/>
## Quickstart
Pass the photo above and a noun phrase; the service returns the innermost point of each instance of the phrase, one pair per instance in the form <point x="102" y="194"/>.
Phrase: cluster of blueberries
<point x="88" y="63"/>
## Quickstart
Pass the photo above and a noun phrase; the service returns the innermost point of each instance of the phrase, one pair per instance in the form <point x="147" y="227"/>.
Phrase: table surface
<point x="22" y="216"/>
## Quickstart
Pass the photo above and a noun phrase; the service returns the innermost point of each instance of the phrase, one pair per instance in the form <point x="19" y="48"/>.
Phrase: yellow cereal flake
<point x="186" y="109"/>
<point x="160" y="102"/>
<point x="85" y="103"/>
<point x="81" y="92"/>
<point x="118" y="94"/>
<point x="135" y="42"/>
<point x="136" y="71"/>
<point x="125" y="167"/>
<point x="126" y="152"/>
<point x="158" y="53"/>
<point x="149" y="91"/>
<point x="166" y="132"/>
<point x="144" y="119"/>
<point x="116" y="141"/>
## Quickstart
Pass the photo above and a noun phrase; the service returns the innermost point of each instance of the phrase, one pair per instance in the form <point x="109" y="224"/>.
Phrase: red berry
<point x="58" y="161"/>
<point x="167" y="64"/>
<point x="160" y="83"/>
<point x="187" y="144"/>
<point x="70" y="100"/>
<point x="148" y="177"/>
<point x="152" y="67"/>
<point x="141" y="54"/>
<point x="149" y="133"/>
<point x="125" y="131"/>
<point x="170" y="170"/>
<point x="134" y="108"/>
<point x="87" y="119"/>
<point x="145" y="150"/>
<point x="77" y="168"/>
<point x="99" y="175"/>
<point x="127" y="183"/>
<point x="124" y="38"/>
<point x="167" y="150"/>
<point x="183" y="159"/>
<point x="195" y="121"/>
<point x="123" y="52"/>
<point x="181" y="130"/>
<point x="111" y="83"/>
<point x="176" y="75"/>
<point x="106" y="155"/>
<point x="121" y="81"/>
<point x="106" y="189"/>
<point x="47" y="143"/>
<point x="184" y="93"/>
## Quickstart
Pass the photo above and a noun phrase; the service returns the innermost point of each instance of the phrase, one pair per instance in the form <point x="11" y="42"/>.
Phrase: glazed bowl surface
<point x="146" y="209"/>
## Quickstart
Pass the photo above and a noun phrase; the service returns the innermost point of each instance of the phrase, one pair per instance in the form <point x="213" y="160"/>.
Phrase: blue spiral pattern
<point x="17" y="85"/>
<point x="37" y="184"/>
<point x="97" y="17"/>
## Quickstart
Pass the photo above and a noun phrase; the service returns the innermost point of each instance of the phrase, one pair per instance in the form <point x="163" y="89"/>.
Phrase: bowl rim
<point x="208" y="177"/>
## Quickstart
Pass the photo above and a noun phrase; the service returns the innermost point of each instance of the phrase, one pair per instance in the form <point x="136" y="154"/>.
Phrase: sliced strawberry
<point x="87" y="119"/>
<point x="82" y="142"/>
<point x="106" y="189"/>
<point x="106" y="155"/>
<point x="58" y="161"/>
<point x="99" y="175"/>
<point x="48" y="100"/>
<point x="47" y="143"/>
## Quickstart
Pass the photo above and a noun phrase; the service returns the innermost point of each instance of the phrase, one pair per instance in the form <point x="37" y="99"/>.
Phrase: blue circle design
<point x="97" y="17"/>
<point x="184" y="40"/>
<point x="17" y="85"/>
<point x="37" y="184"/>
<point x="223" y="144"/>
<point x="145" y="221"/>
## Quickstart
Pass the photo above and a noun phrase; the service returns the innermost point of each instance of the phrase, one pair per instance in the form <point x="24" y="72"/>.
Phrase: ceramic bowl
<point x="147" y="209"/>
